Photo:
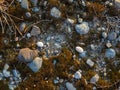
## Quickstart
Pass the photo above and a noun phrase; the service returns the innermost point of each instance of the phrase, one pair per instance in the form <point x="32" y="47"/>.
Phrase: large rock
<point x="36" y="64"/>
<point x="27" y="55"/>
<point x="82" y="28"/>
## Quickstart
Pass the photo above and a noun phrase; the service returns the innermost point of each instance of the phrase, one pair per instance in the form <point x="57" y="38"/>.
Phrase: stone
<point x="22" y="26"/>
<point x="90" y="62"/>
<point x="104" y="35"/>
<point x="108" y="44"/>
<point x="16" y="73"/>
<point x="28" y="35"/>
<point x="27" y="55"/>
<point x="40" y="44"/>
<point x="6" y="73"/>
<point x="71" y="21"/>
<point x="79" y="49"/>
<point x="94" y="79"/>
<point x="35" y="31"/>
<point x="25" y="4"/>
<point x="6" y="67"/>
<point x="117" y="3"/>
<point x="82" y="28"/>
<point x="34" y="2"/>
<point x="83" y="54"/>
<point x="112" y="36"/>
<point x="70" y="86"/>
<point x="78" y="75"/>
<point x="55" y="12"/>
<point x="35" y="9"/>
<point x="28" y="14"/>
<point x="36" y="64"/>
<point x="110" y="53"/>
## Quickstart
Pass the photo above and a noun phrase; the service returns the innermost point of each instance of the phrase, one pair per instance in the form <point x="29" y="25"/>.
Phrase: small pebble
<point x="79" y="49"/>
<point x="40" y="44"/>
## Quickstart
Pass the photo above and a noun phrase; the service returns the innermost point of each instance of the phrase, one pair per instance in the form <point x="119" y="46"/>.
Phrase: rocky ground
<point x="59" y="44"/>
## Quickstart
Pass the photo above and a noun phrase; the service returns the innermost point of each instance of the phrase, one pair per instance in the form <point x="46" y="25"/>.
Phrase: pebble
<point x="108" y="44"/>
<point x="34" y="2"/>
<point x="82" y="28"/>
<point x="36" y="64"/>
<point x="35" y="31"/>
<point x="104" y="35"/>
<point x="71" y="21"/>
<point x="25" y="4"/>
<point x="28" y="14"/>
<point x="79" y="49"/>
<point x="94" y="79"/>
<point x="35" y="9"/>
<point x="22" y="26"/>
<point x="27" y="55"/>
<point x="6" y="73"/>
<point x="6" y="67"/>
<point x="112" y="36"/>
<point x="40" y="44"/>
<point x="28" y="35"/>
<point x="55" y="12"/>
<point x="77" y="75"/>
<point x="83" y="54"/>
<point x="90" y="62"/>
<point x="117" y="3"/>
<point x="70" y="86"/>
<point x="110" y="53"/>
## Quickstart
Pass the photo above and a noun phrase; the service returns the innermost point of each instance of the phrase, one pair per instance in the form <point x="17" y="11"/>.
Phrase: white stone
<point x="79" y="49"/>
<point x="25" y="4"/>
<point x="71" y="21"/>
<point x="110" y="53"/>
<point x="94" y="79"/>
<point x="28" y="35"/>
<point x="70" y="86"/>
<point x="82" y="28"/>
<point x="90" y="63"/>
<point x="104" y="34"/>
<point x="108" y="44"/>
<point x="77" y="75"/>
<point x="36" y="64"/>
<point x="40" y="44"/>
<point x="55" y="12"/>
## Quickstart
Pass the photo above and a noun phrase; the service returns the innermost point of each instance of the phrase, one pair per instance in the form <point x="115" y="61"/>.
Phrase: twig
<point x="2" y="26"/>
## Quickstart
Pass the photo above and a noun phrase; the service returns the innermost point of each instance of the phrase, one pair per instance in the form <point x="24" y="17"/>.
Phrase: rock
<point x="36" y="64"/>
<point x="110" y="53"/>
<point x="27" y="55"/>
<point x="82" y="28"/>
<point x="34" y="2"/>
<point x="16" y="73"/>
<point x="25" y="4"/>
<point x="71" y="21"/>
<point x="6" y="73"/>
<point x="112" y="36"/>
<point x="35" y="31"/>
<point x="83" y="54"/>
<point x="56" y="81"/>
<point x="79" y="49"/>
<point x="22" y="26"/>
<point x="94" y="79"/>
<point x="108" y="44"/>
<point x="55" y="12"/>
<point x="35" y="9"/>
<point x="70" y="86"/>
<point x="40" y="44"/>
<point x="28" y="35"/>
<point x="104" y="35"/>
<point x="78" y="75"/>
<point x="117" y="3"/>
<point x="6" y="67"/>
<point x="90" y="63"/>
<point x="28" y="14"/>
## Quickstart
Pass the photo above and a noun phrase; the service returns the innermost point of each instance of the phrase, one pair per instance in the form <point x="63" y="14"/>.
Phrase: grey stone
<point x="70" y="86"/>
<point x="35" y="31"/>
<point x="112" y="36"/>
<point x="55" y="12"/>
<point x="36" y="64"/>
<point x="82" y="28"/>
<point x="110" y="53"/>
<point x="25" y="4"/>
<point x="27" y="55"/>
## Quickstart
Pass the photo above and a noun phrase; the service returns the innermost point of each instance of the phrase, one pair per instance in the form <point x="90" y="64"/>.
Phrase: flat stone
<point x="35" y="31"/>
<point x="36" y="64"/>
<point x="90" y="63"/>
<point x="27" y="55"/>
